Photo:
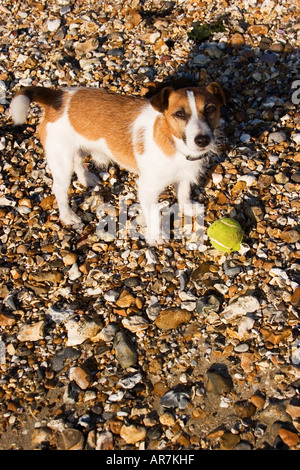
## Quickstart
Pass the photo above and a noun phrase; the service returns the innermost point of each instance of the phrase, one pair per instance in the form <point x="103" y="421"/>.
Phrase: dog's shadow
<point x="258" y="102"/>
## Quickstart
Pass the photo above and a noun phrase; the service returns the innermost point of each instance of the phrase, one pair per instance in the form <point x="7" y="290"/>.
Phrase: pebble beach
<point x="107" y="343"/>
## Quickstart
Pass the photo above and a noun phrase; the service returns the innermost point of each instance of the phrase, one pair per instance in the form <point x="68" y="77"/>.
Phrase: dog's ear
<point x="160" y="101"/>
<point x="222" y="95"/>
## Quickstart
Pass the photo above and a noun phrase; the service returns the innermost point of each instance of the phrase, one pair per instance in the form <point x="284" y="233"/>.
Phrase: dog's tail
<point x="43" y="96"/>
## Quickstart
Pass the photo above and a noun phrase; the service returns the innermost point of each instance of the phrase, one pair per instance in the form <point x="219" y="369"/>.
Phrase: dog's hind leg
<point x="60" y="159"/>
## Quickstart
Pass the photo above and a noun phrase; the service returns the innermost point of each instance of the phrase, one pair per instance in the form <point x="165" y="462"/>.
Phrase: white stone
<point x="273" y="159"/>
<point x="53" y="25"/>
<point x="2" y="352"/>
<point x="243" y="305"/>
<point x="277" y="137"/>
<point x="295" y="352"/>
<point x="296" y="138"/>
<point x="80" y="331"/>
<point x="245" y="324"/>
<point x="111" y="295"/>
<point x="225" y="402"/>
<point x="135" y="323"/>
<point x="217" y="178"/>
<point x="151" y="257"/>
<point x="2" y="143"/>
<point x="130" y="382"/>
<point x="117" y="396"/>
<point x="249" y="179"/>
<point x="6" y="202"/>
<point x="154" y="37"/>
<point x="74" y="272"/>
<point x="59" y="315"/>
<point x="33" y="332"/>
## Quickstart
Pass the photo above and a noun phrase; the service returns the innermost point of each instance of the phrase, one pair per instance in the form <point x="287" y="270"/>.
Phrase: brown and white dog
<point x="162" y="139"/>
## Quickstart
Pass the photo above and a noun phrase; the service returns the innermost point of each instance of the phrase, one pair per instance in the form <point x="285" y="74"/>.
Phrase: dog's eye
<point x="210" y="109"/>
<point x="180" y="114"/>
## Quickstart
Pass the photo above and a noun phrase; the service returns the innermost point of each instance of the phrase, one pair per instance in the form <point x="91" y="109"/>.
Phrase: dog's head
<point x="192" y="115"/>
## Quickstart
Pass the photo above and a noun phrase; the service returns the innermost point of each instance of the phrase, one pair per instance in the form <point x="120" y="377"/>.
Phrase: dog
<point x="162" y="139"/>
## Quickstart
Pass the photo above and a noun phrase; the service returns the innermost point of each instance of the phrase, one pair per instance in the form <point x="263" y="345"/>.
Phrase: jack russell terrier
<point x="162" y="139"/>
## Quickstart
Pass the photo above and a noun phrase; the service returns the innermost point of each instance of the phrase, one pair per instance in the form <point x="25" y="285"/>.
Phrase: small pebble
<point x="125" y="352"/>
<point x="244" y="408"/>
<point x="81" y="377"/>
<point x="82" y="330"/>
<point x="167" y="419"/>
<point x="133" y="433"/>
<point x="258" y="401"/>
<point x="242" y="306"/>
<point x="177" y="397"/>
<point x="245" y="138"/>
<point x="70" y="439"/>
<point x="63" y="357"/>
<point x="243" y="445"/>
<point x="277" y="137"/>
<point x="228" y="441"/>
<point x="289" y="438"/>
<point x="208" y="304"/>
<point x="172" y="318"/>
<point x="33" y="332"/>
<point x="241" y="347"/>
<point x="53" y="25"/>
<point x="104" y="441"/>
<point x="218" y="383"/>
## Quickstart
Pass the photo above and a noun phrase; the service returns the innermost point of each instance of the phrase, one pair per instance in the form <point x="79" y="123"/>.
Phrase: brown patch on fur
<point x="52" y="101"/>
<point x="97" y="114"/>
<point x="42" y="133"/>
<point x="163" y="137"/>
<point x="178" y="101"/>
<point x="167" y="125"/>
<point x="160" y="101"/>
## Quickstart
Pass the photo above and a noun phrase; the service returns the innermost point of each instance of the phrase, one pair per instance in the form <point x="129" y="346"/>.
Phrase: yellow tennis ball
<point x="225" y="235"/>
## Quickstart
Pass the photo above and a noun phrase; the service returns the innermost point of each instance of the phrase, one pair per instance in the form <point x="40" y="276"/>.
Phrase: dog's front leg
<point x="188" y="207"/>
<point x="149" y="202"/>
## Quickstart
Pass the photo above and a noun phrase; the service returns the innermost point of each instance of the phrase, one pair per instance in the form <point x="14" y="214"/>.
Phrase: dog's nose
<point x="202" y="140"/>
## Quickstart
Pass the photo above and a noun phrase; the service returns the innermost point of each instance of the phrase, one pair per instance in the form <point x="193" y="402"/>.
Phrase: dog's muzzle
<point x="203" y="142"/>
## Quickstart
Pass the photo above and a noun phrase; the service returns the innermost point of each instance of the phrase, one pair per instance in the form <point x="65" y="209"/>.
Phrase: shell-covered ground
<point x="105" y="342"/>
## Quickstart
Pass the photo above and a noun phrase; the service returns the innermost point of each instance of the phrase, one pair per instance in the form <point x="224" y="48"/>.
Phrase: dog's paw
<point x="72" y="219"/>
<point x="156" y="241"/>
